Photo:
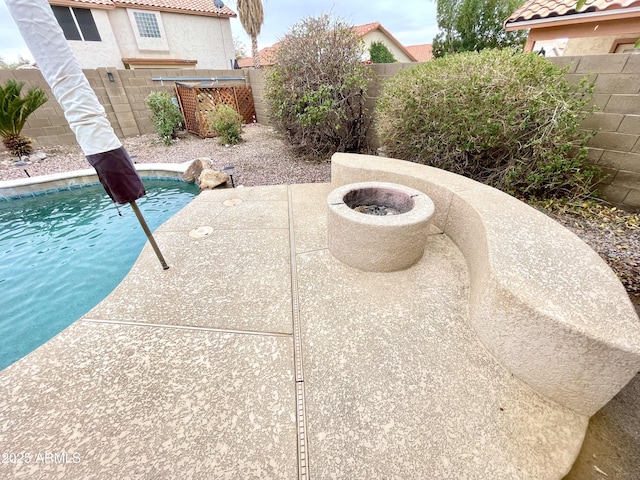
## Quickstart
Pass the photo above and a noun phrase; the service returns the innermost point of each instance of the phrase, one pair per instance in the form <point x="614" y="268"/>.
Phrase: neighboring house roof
<point x="362" y="30"/>
<point x="540" y="12"/>
<point x="267" y="57"/>
<point x="267" y="54"/>
<point x="423" y="52"/>
<point x="191" y="7"/>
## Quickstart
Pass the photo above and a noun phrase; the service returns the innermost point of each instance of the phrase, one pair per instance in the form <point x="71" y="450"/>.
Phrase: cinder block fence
<point x="615" y="147"/>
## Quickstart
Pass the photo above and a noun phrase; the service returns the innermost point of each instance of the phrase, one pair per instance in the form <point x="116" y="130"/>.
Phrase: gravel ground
<point x="613" y="441"/>
<point x="262" y="159"/>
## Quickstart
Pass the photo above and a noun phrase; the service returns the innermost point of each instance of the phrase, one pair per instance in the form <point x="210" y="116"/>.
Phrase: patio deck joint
<point x="303" y="463"/>
<point x="188" y="327"/>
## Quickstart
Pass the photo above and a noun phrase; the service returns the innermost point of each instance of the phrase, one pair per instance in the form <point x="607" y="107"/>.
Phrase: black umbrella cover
<point x="117" y="175"/>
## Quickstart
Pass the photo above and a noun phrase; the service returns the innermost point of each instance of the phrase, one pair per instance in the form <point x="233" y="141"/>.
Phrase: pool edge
<point x="32" y="186"/>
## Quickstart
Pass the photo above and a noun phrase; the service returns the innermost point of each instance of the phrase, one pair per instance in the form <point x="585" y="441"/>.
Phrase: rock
<point x="210" y="179"/>
<point x="192" y="174"/>
<point x="36" y="157"/>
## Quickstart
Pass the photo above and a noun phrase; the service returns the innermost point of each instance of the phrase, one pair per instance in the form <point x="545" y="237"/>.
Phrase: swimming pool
<point x="62" y="253"/>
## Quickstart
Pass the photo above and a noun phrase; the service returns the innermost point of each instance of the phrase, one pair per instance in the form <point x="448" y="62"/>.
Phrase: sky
<point x="411" y="22"/>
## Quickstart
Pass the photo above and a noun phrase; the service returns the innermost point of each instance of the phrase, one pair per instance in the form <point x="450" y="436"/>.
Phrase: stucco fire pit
<point x="378" y="226"/>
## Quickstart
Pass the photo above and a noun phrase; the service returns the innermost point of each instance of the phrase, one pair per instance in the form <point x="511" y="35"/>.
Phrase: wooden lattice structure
<point x="196" y="101"/>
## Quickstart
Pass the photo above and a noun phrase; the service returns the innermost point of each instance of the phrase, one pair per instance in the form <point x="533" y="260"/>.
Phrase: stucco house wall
<point x="189" y="37"/>
<point x="591" y="31"/>
<point x="593" y="45"/>
<point x="105" y="53"/>
<point x="193" y="39"/>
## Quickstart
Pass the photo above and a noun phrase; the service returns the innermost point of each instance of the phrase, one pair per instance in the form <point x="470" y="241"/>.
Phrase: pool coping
<point x="55" y="182"/>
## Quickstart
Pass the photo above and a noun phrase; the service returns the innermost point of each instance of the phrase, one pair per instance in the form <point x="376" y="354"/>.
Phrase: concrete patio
<point x="259" y="355"/>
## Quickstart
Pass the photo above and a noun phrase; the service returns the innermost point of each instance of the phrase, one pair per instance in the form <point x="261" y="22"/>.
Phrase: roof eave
<point x="573" y="19"/>
<point x="172" y="10"/>
<point x="72" y="3"/>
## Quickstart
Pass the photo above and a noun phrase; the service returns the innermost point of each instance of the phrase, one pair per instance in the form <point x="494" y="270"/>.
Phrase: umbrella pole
<point x="152" y="241"/>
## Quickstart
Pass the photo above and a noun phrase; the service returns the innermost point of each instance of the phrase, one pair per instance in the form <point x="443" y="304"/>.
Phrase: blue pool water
<point x="62" y="253"/>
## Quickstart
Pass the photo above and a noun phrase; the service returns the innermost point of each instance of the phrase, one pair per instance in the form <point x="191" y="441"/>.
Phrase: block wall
<point x="616" y="145"/>
<point x="122" y="93"/>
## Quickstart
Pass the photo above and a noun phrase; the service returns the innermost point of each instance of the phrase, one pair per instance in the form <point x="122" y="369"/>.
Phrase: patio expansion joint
<point x="301" y="423"/>
<point x="312" y="251"/>
<point x="188" y="327"/>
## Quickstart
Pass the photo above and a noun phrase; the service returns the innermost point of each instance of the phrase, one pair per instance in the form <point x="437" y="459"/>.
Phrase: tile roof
<point x="267" y="57"/>
<point x="547" y="9"/>
<point x="84" y="3"/>
<point x="423" y="52"/>
<point x="362" y="30"/>
<point x="194" y="7"/>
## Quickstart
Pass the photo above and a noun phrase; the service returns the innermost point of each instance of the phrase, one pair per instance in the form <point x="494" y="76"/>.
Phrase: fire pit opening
<point x="378" y="226"/>
<point x="379" y="201"/>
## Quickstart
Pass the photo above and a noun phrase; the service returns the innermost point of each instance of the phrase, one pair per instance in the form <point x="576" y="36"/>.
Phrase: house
<point x="600" y="27"/>
<point x="422" y="52"/>
<point x="371" y="32"/>
<point x="375" y="32"/>
<point x="147" y="33"/>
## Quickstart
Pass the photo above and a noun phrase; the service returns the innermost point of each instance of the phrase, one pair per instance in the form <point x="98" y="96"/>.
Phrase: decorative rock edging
<point x="541" y="301"/>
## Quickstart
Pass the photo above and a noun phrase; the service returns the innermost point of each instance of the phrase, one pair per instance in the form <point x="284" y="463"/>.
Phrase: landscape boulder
<point x="210" y="179"/>
<point x="192" y="174"/>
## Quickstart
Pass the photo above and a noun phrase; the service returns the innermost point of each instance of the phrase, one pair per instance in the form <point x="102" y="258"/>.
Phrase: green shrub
<point x="225" y="122"/>
<point x="507" y="119"/>
<point x="316" y="90"/>
<point x="165" y="115"/>
<point x="379" y="53"/>
<point x="15" y="109"/>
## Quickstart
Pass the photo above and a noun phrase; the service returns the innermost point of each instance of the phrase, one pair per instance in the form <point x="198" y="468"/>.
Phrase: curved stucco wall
<point x="543" y="303"/>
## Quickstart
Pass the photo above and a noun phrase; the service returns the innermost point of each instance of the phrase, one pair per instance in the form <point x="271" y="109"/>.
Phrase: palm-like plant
<point x="14" y="111"/>
<point x="251" y="16"/>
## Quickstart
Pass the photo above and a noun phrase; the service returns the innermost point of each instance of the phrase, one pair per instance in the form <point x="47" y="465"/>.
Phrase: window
<point x="148" y="30"/>
<point x="77" y="23"/>
<point x="623" y="45"/>
<point x="147" y="24"/>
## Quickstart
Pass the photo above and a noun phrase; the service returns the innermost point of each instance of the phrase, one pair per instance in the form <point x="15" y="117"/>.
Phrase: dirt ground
<point x="611" y="449"/>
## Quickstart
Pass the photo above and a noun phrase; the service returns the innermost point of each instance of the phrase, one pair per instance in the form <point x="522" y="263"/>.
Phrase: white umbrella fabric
<point x="86" y="116"/>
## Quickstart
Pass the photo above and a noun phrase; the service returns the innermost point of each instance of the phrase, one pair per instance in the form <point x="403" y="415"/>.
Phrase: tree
<point x="14" y="111"/>
<point x="473" y="25"/>
<point x="316" y="90"/>
<point x="251" y="16"/>
<point x="379" y="53"/>
<point x="4" y="65"/>
<point x="240" y="48"/>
